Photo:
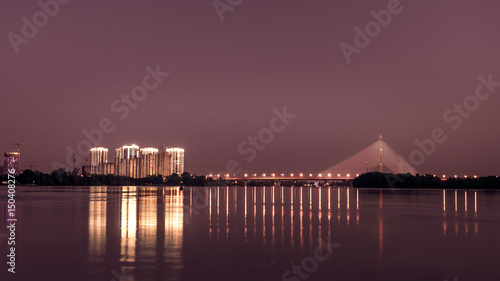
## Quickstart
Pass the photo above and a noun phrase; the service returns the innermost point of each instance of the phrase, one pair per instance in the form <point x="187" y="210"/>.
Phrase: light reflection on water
<point x="256" y="233"/>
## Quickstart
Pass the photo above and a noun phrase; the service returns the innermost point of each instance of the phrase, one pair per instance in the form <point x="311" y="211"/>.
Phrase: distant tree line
<point x="62" y="177"/>
<point x="390" y="180"/>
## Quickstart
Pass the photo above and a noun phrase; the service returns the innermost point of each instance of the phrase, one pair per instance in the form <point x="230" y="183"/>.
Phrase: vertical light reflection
<point x="381" y="202"/>
<point x="246" y="211"/>
<point x="282" y="196"/>
<point x="210" y="214"/>
<point x="128" y="224"/>
<point x="357" y="207"/>
<point x="465" y="200"/>
<point x="444" y="200"/>
<point x="310" y="217"/>
<point x="273" y="214"/>
<point x="301" y="221"/>
<point x="282" y="216"/>
<point x="357" y="199"/>
<point x="254" y="214"/>
<point x="476" y="226"/>
<point x="329" y="201"/>
<point x="235" y="200"/>
<point x="148" y="223"/>
<point x="445" y="224"/>
<point x="227" y="212"/>
<point x="338" y="197"/>
<point x="291" y="217"/>
<point x="456" y="200"/>
<point x="264" y="216"/>
<point x="300" y="198"/>
<point x="319" y="211"/>
<point x="97" y="223"/>
<point x="475" y="201"/>
<point x="190" y="203"/>
<point x="348" y="217"/>
<point x="174" y="224"/>
<point x="329" y="211"/>
<point x="217" y="201"/>
<point x="338" y="203"/>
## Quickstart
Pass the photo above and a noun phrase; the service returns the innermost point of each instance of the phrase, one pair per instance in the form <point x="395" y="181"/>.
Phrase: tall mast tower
<point x="380" y="146"/>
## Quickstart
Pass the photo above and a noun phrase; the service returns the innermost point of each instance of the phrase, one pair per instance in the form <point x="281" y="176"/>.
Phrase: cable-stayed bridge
<point x="378" y="156"/>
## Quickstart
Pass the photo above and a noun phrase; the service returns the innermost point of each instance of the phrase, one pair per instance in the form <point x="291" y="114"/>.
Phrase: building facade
<point x="176" y="160"/>
<point x="11" y="160"/>
<point x="149" y="162"/>
<point x="98" y="160"/>
<point x="127" y="161"/>
<point x="135" y="162"/>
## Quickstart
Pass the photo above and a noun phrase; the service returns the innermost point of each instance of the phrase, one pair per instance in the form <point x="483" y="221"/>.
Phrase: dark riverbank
<point x="62" y="177"/>
<point x="389" y="180"/>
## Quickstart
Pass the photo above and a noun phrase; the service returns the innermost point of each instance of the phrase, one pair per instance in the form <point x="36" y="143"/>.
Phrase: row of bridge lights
<point x="291" y="175"/>
<point x="456" y="176"/>
<point x="319" y="175"/>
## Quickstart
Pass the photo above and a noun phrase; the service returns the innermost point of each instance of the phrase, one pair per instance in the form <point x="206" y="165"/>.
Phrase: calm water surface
<point x="253" y="233"/>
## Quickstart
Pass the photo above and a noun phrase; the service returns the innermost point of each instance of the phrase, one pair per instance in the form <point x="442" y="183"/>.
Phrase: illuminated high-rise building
<point x="149" y="162"/>
<point x="98" y="160"/>
<point x="164" y="163"/>
<point x="11" y="161"/>
<point x="127" y="161"/>
<point x="175" y="160"/>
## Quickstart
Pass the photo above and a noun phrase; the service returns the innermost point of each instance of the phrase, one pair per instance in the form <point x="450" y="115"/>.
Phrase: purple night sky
<point x="227" y="76"/>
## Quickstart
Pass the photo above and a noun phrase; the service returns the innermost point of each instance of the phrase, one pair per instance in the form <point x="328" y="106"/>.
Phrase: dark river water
<point x="251" y="233"/>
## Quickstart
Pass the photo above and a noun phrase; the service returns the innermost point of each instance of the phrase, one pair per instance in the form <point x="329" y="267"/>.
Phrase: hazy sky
<point x="227" y="76"/>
